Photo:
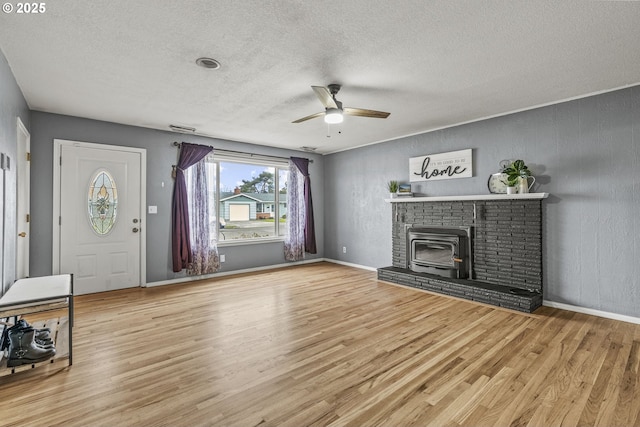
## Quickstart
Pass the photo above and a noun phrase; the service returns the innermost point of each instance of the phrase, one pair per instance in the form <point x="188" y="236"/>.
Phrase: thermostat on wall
<point x="5" y="162"/>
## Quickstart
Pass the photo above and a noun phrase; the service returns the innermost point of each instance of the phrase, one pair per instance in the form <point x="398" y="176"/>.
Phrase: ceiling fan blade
<point x="361" y="112"/>
<point x="324" y="96"/>
<point x="312" y="116"/>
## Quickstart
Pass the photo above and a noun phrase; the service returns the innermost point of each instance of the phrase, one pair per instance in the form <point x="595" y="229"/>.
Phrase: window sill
<point x="222" y="243"/>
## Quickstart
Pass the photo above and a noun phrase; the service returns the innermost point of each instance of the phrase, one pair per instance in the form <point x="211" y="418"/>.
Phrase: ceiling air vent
<point x="182" y="129"/>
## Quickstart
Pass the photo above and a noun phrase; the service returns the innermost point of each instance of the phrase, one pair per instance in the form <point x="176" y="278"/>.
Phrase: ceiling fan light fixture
<point x="333" y="116"/>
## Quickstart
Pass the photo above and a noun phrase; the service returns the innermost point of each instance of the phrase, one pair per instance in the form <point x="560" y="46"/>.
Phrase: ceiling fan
<point x="333" y="108"/>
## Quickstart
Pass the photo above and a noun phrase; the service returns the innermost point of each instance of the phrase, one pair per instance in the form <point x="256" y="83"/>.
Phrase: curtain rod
<point x="223" y="151"/>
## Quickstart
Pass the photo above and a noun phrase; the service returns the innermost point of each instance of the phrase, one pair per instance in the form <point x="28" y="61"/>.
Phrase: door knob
<point x="23" y="234"/>
<point x="135" y="230"/>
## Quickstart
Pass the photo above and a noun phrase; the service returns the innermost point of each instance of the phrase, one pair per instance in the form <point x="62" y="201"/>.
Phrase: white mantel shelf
<point x="470" y="197"/>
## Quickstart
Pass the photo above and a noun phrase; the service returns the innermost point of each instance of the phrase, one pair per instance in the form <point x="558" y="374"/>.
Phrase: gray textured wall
<point x="12" y="106"/>
<point x="585" y="153"/>
<point x="160" y="156"/>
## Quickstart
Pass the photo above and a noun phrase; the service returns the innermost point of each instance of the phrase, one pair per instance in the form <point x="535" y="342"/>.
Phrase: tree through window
<point x="252" y="202"/>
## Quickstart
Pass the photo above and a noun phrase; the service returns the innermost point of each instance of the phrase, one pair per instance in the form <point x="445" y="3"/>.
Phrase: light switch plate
<point x="153" y="209"/>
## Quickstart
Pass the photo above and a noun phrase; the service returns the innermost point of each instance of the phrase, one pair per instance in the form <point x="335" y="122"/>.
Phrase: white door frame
<point x="22" y="197"/>
<point x="57" y="152"/>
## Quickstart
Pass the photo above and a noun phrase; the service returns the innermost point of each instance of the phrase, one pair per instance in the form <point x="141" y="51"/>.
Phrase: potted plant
<point x="512" y="184"/>
<point x="517" y="176"/>
<point x="393" y="188"/>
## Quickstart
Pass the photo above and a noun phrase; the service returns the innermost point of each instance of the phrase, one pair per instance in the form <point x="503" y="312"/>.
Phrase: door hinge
<point x="59" y="220"/>
<point x="60" y="160"/>
<point x="28" y="218"/>
<point x="28" y="157"/>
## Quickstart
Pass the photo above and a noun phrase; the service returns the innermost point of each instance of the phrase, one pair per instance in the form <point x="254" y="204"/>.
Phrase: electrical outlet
<point x="223" y="257"/>
<point x="344" y="249"/>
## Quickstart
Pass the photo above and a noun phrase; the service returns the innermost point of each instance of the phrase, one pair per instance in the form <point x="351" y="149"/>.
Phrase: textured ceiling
<point x="431" y="64"/>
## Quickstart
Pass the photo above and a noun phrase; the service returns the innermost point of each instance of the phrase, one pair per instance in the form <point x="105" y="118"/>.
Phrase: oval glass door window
<point x="103" y="202"/>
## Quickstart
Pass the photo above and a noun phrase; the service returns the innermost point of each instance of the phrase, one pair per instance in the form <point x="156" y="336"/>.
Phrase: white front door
<point x="23" y="173"/>
<point x="101" y="206"/>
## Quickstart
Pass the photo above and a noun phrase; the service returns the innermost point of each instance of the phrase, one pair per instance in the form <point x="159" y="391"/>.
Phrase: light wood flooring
<point x="327" y="345"/>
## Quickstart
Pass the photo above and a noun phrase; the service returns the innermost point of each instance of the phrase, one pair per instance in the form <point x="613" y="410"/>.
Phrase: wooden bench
<point x="40" y="294"/>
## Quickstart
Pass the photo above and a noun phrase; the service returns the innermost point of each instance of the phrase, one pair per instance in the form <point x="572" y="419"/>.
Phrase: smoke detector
<point x="209" y="63"/>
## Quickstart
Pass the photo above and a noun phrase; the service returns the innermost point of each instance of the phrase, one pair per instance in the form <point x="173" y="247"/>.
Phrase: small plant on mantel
<point x="393" y="188"/>
<point x="516" y="172"/>
<point x="512" y="181"/>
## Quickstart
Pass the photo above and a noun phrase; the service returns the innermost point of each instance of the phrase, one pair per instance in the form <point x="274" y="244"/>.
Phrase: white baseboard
<point x="229" y="273"/>
<point x="592" y="312"/>
<point x="349" y="264"/>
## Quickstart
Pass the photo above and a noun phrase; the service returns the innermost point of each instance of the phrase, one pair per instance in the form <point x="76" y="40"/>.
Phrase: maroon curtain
<point x="190" y="154"/>
<point x="309" y="226"/>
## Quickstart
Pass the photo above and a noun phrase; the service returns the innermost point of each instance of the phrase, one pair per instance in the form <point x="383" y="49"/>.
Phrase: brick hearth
<point x="507" y="249"/>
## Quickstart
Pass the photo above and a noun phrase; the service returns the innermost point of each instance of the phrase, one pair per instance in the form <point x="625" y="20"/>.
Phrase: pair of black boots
<point x="26" y="344"/>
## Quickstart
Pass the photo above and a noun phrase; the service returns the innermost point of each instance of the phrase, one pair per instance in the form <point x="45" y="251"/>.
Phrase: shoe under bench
<point x="38" y="295"/>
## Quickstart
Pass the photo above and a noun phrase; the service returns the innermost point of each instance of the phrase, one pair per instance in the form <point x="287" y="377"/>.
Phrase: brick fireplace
<point x="506" y="247"/>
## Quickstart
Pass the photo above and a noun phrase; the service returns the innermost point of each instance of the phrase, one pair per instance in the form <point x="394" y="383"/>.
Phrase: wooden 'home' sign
<point x="432" y="167"/>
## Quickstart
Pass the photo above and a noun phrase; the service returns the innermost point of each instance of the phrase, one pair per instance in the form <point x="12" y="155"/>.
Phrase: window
<point x="251" y="197"/>
<point x="102" y="202"/>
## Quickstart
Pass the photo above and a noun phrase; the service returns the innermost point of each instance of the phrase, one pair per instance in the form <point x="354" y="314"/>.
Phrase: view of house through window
<point x="251" y="199"/>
